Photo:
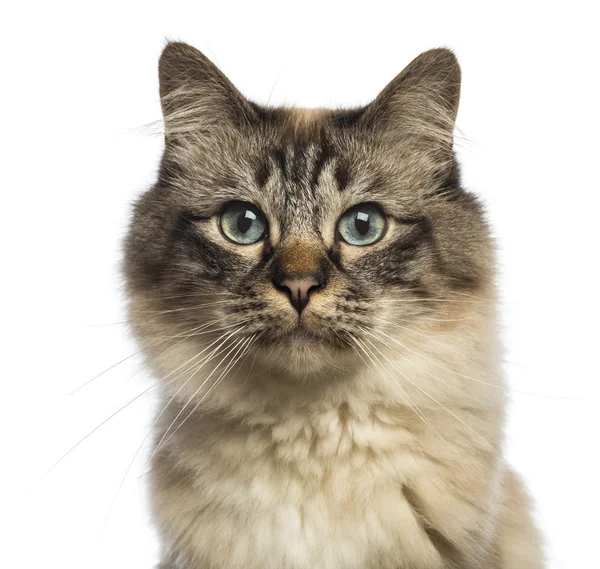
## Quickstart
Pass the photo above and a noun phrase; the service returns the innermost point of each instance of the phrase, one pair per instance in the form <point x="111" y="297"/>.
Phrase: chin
<point x="303" y="355"/>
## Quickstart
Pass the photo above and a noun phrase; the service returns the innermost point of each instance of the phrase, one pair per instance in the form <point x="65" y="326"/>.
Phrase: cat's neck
<point x="350" y="418"/>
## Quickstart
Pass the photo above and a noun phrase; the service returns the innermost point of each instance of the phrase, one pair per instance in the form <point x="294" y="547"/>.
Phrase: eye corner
<point x="193" y="217"/>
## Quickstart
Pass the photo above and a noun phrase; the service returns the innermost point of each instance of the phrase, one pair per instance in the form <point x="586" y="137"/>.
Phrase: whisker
<point x="189" y="294"/>
<point x="428" y="319"/>
<point x="234" y="361"/>
<point x="196" y="331"/>
<point x="431" y="397"/>
<point x="494" y="385"/>
<point x="122" y="482"/>
<point x="194" y="394"/>
<point x="180" y="309"/>
<point x="162" y="341"/>
<point x="199" y="364"/>
<point x="136" y="398"/>
<point x="231" y="365"/>
<point x="437" y="363"/>
<point x="120" y="323"/>
<point x="366" y="331"/>
<point x="246" y="352"/>
<point x="450" y="293"/>
<point x="420" y="300"/>
<point x="411" y="404"/>
<point x="213" y="331"/>
<point x="117" y="364"/>
<point x="105" y="371"/>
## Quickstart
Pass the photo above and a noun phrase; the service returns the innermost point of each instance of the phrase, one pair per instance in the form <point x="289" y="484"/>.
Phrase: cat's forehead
<point x="301" y="167"/>
<point x="301" y="183"/>
<point x="300" y="148"/>
<point x="310" y="180"/>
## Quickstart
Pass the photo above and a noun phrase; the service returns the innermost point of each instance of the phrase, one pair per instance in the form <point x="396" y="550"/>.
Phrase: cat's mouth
<point x="303" y="336"/>
<point x="302" y="352"/>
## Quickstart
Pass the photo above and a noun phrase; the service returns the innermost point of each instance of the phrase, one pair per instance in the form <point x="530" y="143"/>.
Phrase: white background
<point x="78" y="83"/>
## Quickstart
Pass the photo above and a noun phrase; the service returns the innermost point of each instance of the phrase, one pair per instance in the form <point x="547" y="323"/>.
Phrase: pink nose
<point x="299" y="291"/>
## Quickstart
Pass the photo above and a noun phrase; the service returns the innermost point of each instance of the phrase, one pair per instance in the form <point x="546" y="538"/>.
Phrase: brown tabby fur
<point x="367" y="432"/>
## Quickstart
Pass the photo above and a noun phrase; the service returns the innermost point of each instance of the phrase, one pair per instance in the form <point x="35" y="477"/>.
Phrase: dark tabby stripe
<point x="324" y="157"/>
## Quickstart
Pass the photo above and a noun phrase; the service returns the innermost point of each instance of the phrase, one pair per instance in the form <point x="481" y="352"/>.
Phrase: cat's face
<point x="302" y="236"/>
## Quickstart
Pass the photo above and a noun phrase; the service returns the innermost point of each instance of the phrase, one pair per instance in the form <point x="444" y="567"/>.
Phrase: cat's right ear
<point x="195" y="95"/>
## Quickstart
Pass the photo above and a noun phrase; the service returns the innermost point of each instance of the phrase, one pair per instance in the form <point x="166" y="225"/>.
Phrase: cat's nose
<point x="299" y="289"/>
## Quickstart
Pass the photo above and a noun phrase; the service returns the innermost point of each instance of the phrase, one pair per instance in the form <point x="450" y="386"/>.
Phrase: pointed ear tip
<point x="172" y="47"/>
<point x="442" y="56"/>
<point x="170" y="53"/>
<point x="174" y="50"/>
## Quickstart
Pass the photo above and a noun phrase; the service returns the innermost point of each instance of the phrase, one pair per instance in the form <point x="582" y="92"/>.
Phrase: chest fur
<point x="320" y="491"/>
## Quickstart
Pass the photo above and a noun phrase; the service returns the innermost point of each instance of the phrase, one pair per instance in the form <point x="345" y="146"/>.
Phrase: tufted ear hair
<point x="195" y="95"/>
<point x="422" y="101"/>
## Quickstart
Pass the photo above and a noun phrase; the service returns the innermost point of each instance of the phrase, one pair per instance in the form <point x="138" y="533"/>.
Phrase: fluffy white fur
<point x="368" y="470"/>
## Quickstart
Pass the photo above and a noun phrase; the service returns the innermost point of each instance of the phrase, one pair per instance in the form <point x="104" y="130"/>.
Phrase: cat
<point x="315" y="294"/>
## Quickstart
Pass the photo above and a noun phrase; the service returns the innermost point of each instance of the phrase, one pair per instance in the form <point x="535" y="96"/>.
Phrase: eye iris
<point x="243" y="223"/>
<point x="361" y="223"/>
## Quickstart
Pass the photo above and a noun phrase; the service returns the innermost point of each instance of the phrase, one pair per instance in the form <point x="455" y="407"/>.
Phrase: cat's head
<point x="302" y="240"/>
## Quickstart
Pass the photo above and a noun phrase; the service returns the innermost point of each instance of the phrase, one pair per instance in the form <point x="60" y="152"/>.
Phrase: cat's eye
<point x="243" y="223"/>
<point x="363" y="224"/>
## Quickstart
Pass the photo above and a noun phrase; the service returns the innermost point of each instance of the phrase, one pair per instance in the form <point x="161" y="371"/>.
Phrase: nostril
<point x="299" y="287"/>
<point x="315" y="288"/>
<point x="300" y="290"/>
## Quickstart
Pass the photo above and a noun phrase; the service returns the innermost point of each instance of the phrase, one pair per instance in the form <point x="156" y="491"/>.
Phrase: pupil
<point x="362" y="223"/>
<point x="244" y="222"/>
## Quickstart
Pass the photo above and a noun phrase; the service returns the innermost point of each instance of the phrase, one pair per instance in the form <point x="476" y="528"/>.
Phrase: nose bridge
<point x="299" y="269"/>
<point x="301" y="257"/>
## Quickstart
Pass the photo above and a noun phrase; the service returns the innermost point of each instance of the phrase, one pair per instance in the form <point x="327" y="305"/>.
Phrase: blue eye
<point x="363" y="224"/>
<point x="243" y="223"/>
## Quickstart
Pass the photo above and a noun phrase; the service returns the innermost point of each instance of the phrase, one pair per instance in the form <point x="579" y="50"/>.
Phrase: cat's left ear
<point x="196" y="96"/>
<point x="422" y="101"/>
